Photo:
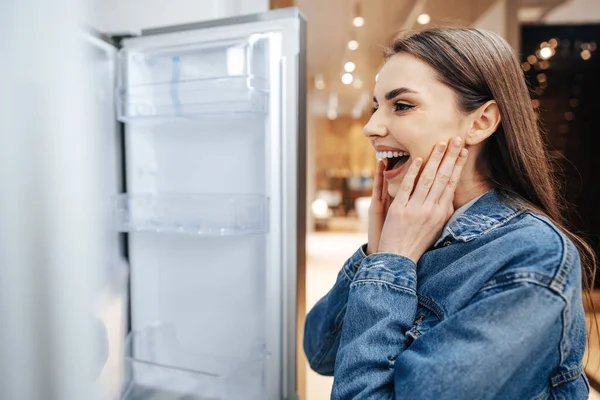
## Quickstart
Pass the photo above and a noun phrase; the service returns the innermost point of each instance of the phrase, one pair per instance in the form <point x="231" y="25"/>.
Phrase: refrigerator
<point x="205" y="162"/>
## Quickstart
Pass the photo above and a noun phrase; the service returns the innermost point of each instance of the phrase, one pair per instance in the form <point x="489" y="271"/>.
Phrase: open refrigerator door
<point x="214" y="206"/>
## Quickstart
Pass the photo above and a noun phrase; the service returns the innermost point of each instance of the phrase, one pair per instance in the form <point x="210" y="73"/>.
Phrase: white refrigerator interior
<point x="213" y="160"/>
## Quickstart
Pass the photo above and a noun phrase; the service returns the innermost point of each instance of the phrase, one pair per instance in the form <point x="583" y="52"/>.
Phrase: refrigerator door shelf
<point x="157" y="366"/>
<point x="236" y="97"/>
<point x="228" y="77"/>
<point x="195" y="214"/>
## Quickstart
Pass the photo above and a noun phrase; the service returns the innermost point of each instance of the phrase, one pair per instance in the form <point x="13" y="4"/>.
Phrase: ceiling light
<point x="358" y="21"/>
<point x="347" y="78"/>
<point x="546" y="53"/>
<point x="332" y="114"/>
<point x="423" y="19"/>
<point x="586" y="54"/>
<point x="353" y="45"/>
<point x="357" y="83"/>
<point x="349" y="66"/>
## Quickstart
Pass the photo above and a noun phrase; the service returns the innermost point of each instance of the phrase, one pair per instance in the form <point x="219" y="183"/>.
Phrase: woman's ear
<point x="484" y="122"/>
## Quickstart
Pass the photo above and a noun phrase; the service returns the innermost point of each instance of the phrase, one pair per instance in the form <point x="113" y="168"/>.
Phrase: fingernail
<point x="418" y="162"/>
<point x="441" y="147"/>
<point x="464" y="153"/>
<point x="457" y="142"/>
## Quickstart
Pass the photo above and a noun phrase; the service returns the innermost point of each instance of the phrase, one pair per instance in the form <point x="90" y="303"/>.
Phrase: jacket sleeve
<point x="491" y="349"/>
<point x="381" y="307"/>
<point x="324" y="322"/>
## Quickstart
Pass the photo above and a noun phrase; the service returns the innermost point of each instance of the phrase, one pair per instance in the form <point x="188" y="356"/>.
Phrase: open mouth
<point x="393" y="160"/>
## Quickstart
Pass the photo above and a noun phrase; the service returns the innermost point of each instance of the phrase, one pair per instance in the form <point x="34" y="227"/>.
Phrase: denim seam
<point x="432" y="306"/>
<point x="567" y="376"/>
<point x="346" y="274"/>
<point x="498" y="224"/>
<point x="565" y="328"/>
<point x="400" y="287"/>
<point x="331" y="336"/>
<point x="339" y="320"/>
<point x="322" y="352"/>
<point x="511" y="282"/>
<point x="558" y="285"/>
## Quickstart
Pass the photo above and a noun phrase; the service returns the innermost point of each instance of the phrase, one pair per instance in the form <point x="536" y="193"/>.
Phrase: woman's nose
<point x="373" y="129"/>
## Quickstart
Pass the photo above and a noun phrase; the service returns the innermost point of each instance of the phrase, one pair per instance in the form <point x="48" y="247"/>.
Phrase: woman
<point x="470" y="286"/>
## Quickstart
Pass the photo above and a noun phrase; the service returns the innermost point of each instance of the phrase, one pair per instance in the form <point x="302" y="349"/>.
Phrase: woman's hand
<point x="414" y="222"/>
<point x="380" y="202"/>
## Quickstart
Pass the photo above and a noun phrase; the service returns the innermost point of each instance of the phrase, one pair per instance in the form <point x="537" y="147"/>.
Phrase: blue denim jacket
<point x="493" y="312"/>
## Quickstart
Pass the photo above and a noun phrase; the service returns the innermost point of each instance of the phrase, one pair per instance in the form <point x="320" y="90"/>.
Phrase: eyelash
<point x="396" y="107"/>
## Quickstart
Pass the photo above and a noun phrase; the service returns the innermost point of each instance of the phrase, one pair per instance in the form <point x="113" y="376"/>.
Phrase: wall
<point x="494" y="19"/>
<point x="118" y="16"/>
<point x="341" y="149"/>
<point x="575" y="12"/>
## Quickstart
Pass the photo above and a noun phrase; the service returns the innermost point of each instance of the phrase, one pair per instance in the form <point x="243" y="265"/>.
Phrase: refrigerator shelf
<point x="195" y="214"/>
<point x="199" y="80"/>
<point x="158" y="367"/>
<point x="230" y="97"/>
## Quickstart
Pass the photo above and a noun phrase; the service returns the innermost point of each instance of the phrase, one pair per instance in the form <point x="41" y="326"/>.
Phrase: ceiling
<point x="330" y="29"/>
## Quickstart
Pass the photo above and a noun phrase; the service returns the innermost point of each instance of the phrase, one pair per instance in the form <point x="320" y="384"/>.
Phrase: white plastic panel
<point x="210" y="292"/>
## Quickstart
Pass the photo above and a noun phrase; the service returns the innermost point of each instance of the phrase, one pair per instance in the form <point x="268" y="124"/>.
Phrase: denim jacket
<point x="494" y="311"/>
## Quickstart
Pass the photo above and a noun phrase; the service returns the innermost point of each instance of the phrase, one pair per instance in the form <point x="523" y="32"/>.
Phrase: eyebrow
<point x="395" y="93"/>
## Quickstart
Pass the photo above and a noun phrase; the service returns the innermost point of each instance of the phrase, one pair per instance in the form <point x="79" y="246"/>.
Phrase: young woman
<point x="470" y="286"/>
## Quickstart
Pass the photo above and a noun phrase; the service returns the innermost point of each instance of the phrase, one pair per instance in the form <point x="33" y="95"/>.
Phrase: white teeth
<point x="389" y="154"/>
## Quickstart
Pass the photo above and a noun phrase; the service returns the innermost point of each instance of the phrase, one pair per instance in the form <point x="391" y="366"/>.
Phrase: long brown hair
<point x="480" y="66"/>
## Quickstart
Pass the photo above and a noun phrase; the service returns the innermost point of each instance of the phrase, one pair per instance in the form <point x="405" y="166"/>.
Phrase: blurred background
<point x="555" y="40"/>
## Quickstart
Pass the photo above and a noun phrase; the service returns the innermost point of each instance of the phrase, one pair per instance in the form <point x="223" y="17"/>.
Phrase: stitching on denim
<point x="501" y="222"/>
<point x="432" y="306"/>
<point x="567" y="376"/>
<point x="331" y="336"/>
<point x="517" y="276"/>
<point x="320" y="356"/>
<point x="400" y="287"/>
<point x="558" y="285"/>
<point x="512" y="282"/>
<point x="565" y="328"/>
<point x="339" y="320"/>
<point x="346" y="272"/>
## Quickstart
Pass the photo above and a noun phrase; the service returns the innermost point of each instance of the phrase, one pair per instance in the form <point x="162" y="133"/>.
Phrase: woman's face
<point x="413" y="111"/>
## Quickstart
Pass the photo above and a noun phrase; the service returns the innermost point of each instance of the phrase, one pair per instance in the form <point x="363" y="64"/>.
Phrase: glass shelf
<point x="158" y="367"/>
<point x="197" y="81"/>
<point x="195" y="214"/>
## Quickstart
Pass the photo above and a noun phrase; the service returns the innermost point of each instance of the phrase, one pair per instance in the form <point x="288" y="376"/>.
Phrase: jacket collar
<point x="488" y="213"/>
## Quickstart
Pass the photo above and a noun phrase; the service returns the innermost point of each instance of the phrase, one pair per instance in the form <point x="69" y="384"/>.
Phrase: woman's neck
<point x="471" y="186"/>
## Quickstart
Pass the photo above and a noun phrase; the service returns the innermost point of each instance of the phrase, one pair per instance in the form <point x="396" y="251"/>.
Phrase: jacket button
<point x="356" y="266"/>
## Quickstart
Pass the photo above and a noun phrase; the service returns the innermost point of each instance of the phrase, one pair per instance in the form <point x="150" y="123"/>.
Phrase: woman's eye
<point x="402" y="107"/>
